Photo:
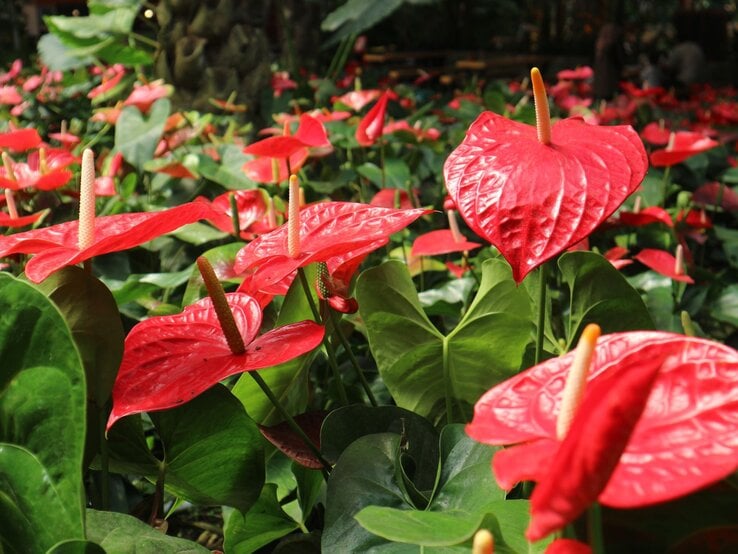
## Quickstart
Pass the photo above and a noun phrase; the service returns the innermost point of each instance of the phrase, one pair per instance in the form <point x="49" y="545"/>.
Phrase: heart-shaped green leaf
<point x="124" y="534"/>
<point x="421" y="367"/>
<point x="136" y="136"/>
<point x="213" y="450"/>
<point x="42" y="421"/>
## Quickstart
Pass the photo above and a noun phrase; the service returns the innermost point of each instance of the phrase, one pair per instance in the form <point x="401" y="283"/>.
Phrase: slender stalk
<point x="291" y="421"/>
<point x="447" y="384"/>
<point x="234" y="215"/>
<point x="542" y="289"/>
<point x="104" y="460"/>
<point x="665" y="185"/>
<point x="347" y="347"/>
<point x="308" y="294"/>
<point x="594" y="529"/>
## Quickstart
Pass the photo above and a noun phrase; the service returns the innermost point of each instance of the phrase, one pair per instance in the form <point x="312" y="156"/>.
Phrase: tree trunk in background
<point x="213" y="48"/>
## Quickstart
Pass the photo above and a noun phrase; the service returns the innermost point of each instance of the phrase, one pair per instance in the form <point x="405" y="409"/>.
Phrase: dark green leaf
<point x="423" y="528"/>
<point x="92" y="315"/>
<point x="136" y="137"/>
<point x="57" y="56"/>
<point x="123" y="534"/>
<point x="213" y="450"/>
<point x="420" y="366"/>
<point x="598" y="293"/>
<point x="263" y="523"/>
<point x="77" y="547"/>
<point x="42" y="415"/>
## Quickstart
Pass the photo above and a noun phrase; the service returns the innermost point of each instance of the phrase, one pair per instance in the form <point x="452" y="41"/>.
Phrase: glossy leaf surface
<point x="331" y="232"/>
<point x="418" y="363"/>
<point x="534" y="200"/>
<point x="136" y="136"/>
<point x="691" y="408"/>
<point x="214" y="453"/>
<point x="42" y="417"/>
<point x="124" y="534"/>
<point x="190" y="354"/>
<point x="57" y="246"/>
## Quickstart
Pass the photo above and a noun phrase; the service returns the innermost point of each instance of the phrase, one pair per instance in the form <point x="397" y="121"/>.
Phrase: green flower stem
<point x="104" y="459"/>
<point x="594" y="528"/>
<point x="234" y="215"/>
<point x="447" y="384"/>
<point x="328" y="347"/>
<point x="291" y="421"/>
<point x="542" y="289"/>
<point x="347" y="347"/>
<point x="308" y="294"/>
<point x="665" y="185"/>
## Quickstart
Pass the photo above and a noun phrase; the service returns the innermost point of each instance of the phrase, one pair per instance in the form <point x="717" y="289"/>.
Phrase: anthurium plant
<point x="397" y="320"/>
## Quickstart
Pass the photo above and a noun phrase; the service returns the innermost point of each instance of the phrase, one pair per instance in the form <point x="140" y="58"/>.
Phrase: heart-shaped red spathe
<point x="533" y="200"/>
<point x="331" y="232"/>
<point x="662" y="262"/>
<point x="685" y="144"/>
<point x="57" y="246"/>
<point x="169" y="360"/>
<point x="683" y="440"/>
<point x="441" y="241"/>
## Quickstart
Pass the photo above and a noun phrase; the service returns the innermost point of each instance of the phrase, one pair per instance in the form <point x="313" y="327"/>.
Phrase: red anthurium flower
<point x="10" y="96"/>
<point x="655" y="133"/>
<point x="439" y="242"/>
<point x="44" y="170"/>
<point x="568" y="546"/>
<point x="646" y="216"/>
<point x="664" y="263"/>
<point x="416" y="130"/>
<point x="252" y="212"/>
<point x="58" y="246"/>
<point x="392" y="198"/>
<point x="281" y="82"/>
<point x="68" y="140"/>
<point x="696" y="219"/>
<point x="357" y="99"/>
<point x="578" y="74"/>
<point x="7" y="220"/>
<point x="12" y="73"/>
<point x="108" y="115"/>
<point x="324" y="116"/>
<point x="111" y="77"/>
<point x="169" y="360"/>
<point x="683" y="145"/>
<point x="143" y="96"/>
<point x="330" y="232"/>
<point x="533" y="195"/>
<point x="273" y="152"/>
<point x="20" y="140"/>
<point x="615" y="256"/>
<point x="656" y="422"/>
<point x="371" y="125"/>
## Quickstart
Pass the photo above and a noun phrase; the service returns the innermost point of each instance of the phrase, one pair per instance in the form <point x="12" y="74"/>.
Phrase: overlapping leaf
<point x="534" y="200"/>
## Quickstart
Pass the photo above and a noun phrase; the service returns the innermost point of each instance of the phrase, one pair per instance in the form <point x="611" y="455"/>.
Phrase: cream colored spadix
<point x="679" y="260"/>
<point x="577" y="379"/>
<point x="293" y="223"/>
<point x="86" y="229"/>
<point x="453" y="225"/>
<point x="543" y="116"/>
<point x="484" y="542"/>
<point x="9" y="197"/>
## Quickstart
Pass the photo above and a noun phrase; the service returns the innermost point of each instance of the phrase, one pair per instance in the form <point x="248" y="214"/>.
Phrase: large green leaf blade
<point x="34" y="516"/>
<point x="213" y="450"/>
<point x="420" y="366"/>
<point x="421" y="528"/>
<point x="263" y="523"/>
<point x="136" y="137"/>
<point x="42" y="400"/>
<point x="600" y="294"/>
<point x="124" y="534"/>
